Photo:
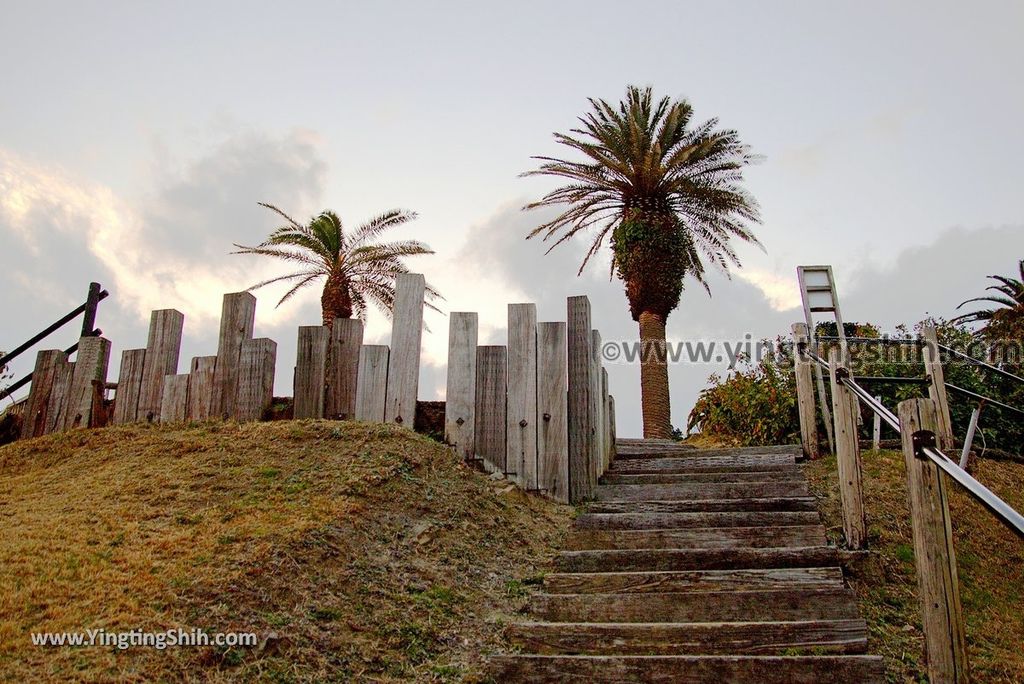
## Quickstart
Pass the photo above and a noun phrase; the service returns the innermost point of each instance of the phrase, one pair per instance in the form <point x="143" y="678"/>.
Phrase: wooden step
<point x="787" y="474"/>
<point x="617" y="560"/>
<point x="712" y="638"/>
<point x="691" y="464"/>
<point x="700" y="491"/>
<point x="708" y="606"/>
<point x="634" y="451"/>
<point x="687" y="669"/>
<point x="750" y="579"/>
<point x="775" y="503"/>
<point x="667" y="521"/>
<point x="698" y="538"/>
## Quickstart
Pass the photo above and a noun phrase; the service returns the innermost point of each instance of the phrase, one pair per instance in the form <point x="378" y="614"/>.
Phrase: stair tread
<point x="699" y="491"/>
<point x="762" y="536"/>
<point x="779" y="475"/>
<point x="688" y="669"/>
<point x="604" y="560"/>
<point x="668" y="521"/>
<point x="669" y="638"/>
<point x="691" y="580"/>
<point x="682" y="505"/>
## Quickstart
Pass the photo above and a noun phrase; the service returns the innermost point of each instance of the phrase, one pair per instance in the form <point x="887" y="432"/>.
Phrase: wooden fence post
<point x="237" y="318"/>
<point x="310" y="371"/>
<point x="580" y="406"/>
<point x="44" y="374"/>
<point x="91" y="363"/>
<point x="851" y="494"/>
<point x="553" y="436"/>
<point x="129" y="385"/>
<point x="404" y="364"/>
<point x="372" y="385"/>
<point x="942" y="615"/>
<point x="932" y="357"/>
<point x="161" y="359"/>
<point x="460" y="395"/>
<point x="597" y="443"/>
<point x="256" y="366"/>
<point x="611" y="426"/>
<point x="606" y="439"/>
<point x="57" y="407"/>
<point x="174" y="399"/>
<point x="92" y="301"/>
<point x="805" y="393"/>
<point x="491" y="387"/>
<point x="521" y="413"/>
<point x="346" y="340"/>
<point x="876" y="428"/>
<point x="202" y="372"/>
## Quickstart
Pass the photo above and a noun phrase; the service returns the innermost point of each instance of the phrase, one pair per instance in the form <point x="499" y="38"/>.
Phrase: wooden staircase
<point x="694" y="566"/>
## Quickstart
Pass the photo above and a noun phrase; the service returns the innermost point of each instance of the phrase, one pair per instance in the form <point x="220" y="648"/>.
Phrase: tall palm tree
<point x="1008" y="317"/>
<point x="667" y="193"/>
<point x="357" y="270"/>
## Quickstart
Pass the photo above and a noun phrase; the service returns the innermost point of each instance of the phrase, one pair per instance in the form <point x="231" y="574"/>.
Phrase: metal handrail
<point x="982" y="397"/>
<point x="872" y="340"/>
<point x="978" y="362"/>
<point x="985" y="496"/>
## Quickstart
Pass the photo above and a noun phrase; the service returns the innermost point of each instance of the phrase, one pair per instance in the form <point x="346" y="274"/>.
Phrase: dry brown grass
<point x="989" y="557"/>
<point x="369" y="551"/>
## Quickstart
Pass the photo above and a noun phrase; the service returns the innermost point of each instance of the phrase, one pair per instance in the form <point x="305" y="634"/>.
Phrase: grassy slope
<point x="369" y="552"/>
<point x="990" y="561"/>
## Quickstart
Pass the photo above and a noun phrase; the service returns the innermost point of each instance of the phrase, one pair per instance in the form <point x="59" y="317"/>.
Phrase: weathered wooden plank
<point x="256" y="366"/>
<point x="708" y="606"/>
<point x="763" y="503"/>
<point x="372" y="387"/>
<point x="580" y="411"/>
<point x="129" y="385"/>
<point x="596" y="407"/>
<point x="701" y="490"/>
<point x="937" y="387"/>
<point x="789" y="474"/>
<point x="58" y="406"/>
<point x="613" y="449"/>
<point x="202" y="376"/>
<point x="699" y="638"/>
<point x="687" y="669"/>
<point x="851" y="489"/>
<point x="648" y="560"/>
<point x="162" y="350"/>
<point x="607" y="443"/>
<point x="934" y="556"/>
<point x="460" y="395"/>
<point x="237" y="319"/>
<point x="553" y="430"/>
<point x="521" y="411"/>
<point x="806" y="410"/>
<point x="746" y="579"/>
<point x="491" y="385"/>
<point x="91" y="363"/>
<point x="404" y="363"/>
<point x="698" y="538"/>
<point x="311" y="370"/>
<point x="48" y="363"/>
<point x="672" y="521"/>
<point x="343" y="377"/>
<point x="174" y="402"/>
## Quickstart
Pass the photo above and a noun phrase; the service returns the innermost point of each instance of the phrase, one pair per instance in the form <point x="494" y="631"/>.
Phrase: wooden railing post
<point x="580" y="407"/>
<point x="597" y="443"/>
<point x="237" y="319"/>
<point x="161" y="360"/>
<point x="404" y="362"/>
<point x="552" y="437"/>
<point x="521" y="416"/>
<point x="851" y="494"/>
<point x="372" y="385"/>
<point x="460" y="396"/>
<point x="937" y="388"/>
<point x="805" y="393"/>
<point x="310" y="371"/>
<point x="942" y="615"/>
<point x="491" y="397"/>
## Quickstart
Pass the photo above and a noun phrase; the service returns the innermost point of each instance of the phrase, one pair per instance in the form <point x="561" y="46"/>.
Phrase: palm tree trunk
<point x="335" y="302"/>
<point x="654" y="397"/>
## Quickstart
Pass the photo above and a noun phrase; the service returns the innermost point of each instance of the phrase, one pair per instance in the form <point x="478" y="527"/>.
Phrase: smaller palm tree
<point x="1008" y="316"/>
<point x="357" y="269"/>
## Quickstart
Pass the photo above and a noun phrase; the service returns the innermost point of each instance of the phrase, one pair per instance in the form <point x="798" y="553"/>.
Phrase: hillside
<point x="354" y="551"/>
<point x="989" y="557"/>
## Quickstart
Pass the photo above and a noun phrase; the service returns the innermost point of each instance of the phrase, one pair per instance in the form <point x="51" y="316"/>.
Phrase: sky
<point x="137" y="138"/>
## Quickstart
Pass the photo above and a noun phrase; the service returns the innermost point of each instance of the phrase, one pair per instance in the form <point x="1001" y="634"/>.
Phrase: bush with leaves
<point x="753" y="405"/>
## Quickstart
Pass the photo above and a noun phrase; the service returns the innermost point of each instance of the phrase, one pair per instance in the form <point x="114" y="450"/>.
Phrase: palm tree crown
<point x="1008" y="316"/>
<point x="357" y="270"/>
<point x="667" y="193"/>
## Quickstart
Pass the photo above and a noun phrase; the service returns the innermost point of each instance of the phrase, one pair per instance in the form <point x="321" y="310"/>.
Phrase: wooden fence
<point x="537" y="409"/>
